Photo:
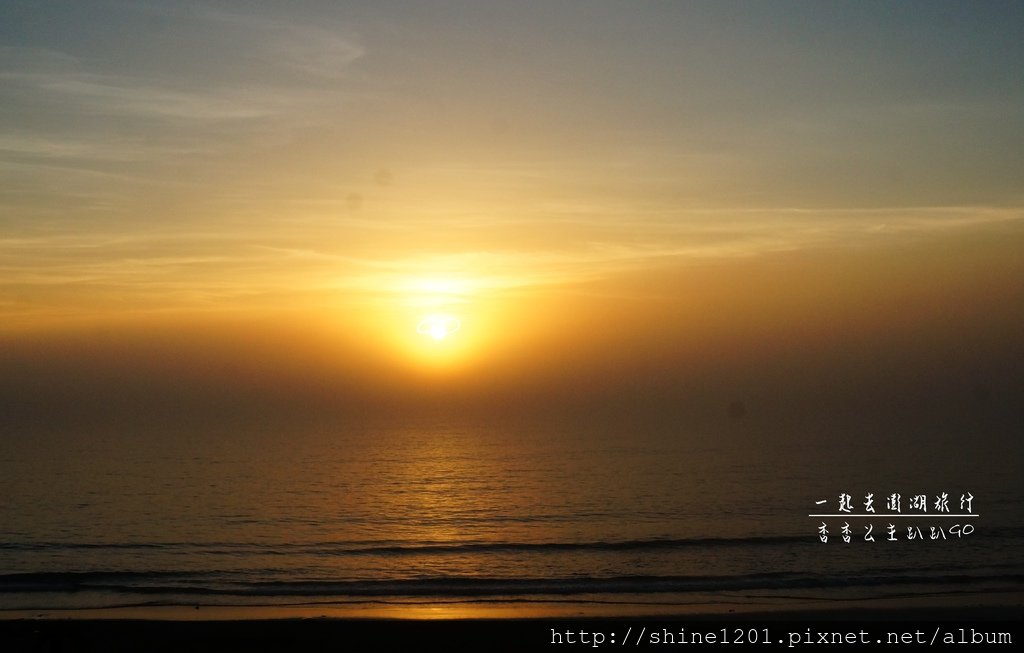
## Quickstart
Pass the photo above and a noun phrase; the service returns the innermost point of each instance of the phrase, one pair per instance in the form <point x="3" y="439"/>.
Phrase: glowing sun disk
<point x="438" y="325"/>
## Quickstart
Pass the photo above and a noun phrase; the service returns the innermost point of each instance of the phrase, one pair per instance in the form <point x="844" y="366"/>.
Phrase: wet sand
<point x="501" y="627"/>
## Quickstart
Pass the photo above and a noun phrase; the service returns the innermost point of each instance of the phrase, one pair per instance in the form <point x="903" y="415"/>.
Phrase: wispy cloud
<point x="56" y="78"/>
<point x="52" y="147"/>
<point x="311" y="50"/>
<point x="125" y="125"/>
<point x="232" y="268"/>
<point x="123" y="96"/>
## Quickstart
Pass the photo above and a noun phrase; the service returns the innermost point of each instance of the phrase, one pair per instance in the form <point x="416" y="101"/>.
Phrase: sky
<point x="779" y="208"/>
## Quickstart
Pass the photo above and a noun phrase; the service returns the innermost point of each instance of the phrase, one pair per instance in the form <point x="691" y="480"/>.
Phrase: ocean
<point x="434" y="512"/>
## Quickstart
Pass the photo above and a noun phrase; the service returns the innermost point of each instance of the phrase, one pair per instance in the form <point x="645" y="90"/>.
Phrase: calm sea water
<point x="432" y="511"/>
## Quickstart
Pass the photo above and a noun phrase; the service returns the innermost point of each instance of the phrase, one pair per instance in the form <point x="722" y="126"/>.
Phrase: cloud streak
<point x="231" y="270"/>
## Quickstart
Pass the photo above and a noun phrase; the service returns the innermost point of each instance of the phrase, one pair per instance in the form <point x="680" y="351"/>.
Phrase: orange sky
<point x="655" y="206"/>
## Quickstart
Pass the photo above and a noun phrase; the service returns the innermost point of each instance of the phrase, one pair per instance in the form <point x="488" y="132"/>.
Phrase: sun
<point x="438" y="325"/>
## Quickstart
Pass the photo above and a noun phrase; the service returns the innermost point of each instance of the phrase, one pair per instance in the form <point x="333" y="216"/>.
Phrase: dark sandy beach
<point x="165" y="631"/>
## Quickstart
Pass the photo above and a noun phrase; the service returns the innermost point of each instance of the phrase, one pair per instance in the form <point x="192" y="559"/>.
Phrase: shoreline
<point x="996" y="606"/>
<point x="507" y="626"/>
<point x="161" y="632"/>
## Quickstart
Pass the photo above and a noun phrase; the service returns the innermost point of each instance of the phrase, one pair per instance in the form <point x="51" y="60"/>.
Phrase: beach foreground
<point x="509" y="627"/>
